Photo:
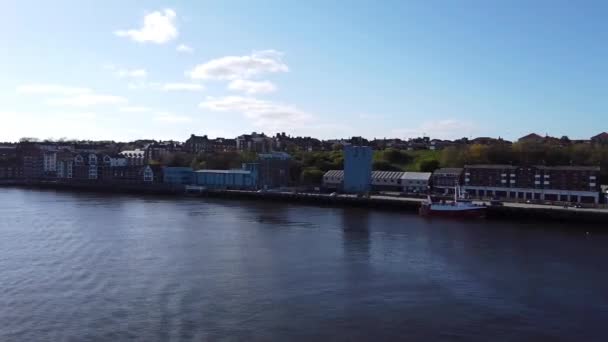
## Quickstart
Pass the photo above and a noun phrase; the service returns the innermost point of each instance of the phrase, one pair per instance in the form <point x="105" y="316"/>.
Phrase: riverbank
<point x="509" y="211"/>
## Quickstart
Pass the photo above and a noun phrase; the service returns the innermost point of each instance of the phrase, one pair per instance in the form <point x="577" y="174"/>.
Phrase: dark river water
<point x="87" y="267"/>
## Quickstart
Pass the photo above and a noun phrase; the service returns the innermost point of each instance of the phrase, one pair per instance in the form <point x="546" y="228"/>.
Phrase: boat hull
<point x="470" y="213"/>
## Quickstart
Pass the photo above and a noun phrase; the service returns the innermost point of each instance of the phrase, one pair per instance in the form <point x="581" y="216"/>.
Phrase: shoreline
<point x="508" y="212"/>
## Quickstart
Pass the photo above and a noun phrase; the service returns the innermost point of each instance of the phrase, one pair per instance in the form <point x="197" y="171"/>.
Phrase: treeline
<point x="526" y="153"/>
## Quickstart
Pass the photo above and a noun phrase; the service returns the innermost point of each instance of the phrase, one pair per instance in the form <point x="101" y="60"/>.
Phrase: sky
<point x="126" y="70"/>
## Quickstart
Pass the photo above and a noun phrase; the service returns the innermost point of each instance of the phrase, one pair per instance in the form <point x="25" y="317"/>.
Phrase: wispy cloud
<point x="184" y="48"/>
<point x="135" y="73"/>
<point x="51" y="89"/>
<point x="87" y="100"/>
<point x="169" y="117"/>
<point x="183" y="87"/>
<point x="60" y="95"/>
<point x="252" y="87"/>
<point x="267" y="114"/>
<point x="240" y="67"/>
<point x="134" y="109"/>
<point x="126" y="72"/>
<point x="158" y="27"/>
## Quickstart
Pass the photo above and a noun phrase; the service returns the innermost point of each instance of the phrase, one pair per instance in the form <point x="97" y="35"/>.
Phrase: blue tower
<point x="357" y="168"/>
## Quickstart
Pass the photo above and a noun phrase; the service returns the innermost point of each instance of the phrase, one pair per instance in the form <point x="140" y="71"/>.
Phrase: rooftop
<point x="491" y="166"/>
<point x="235" y="171"/>
<point x="416" y="175"/>
<point x="448" y="171"/>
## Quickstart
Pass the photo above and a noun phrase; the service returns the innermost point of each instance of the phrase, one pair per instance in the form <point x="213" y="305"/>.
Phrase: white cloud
<point x="183" y="87"/>
<point x="135" y="73"/>
<point x="441" y="129"/>
<point x="252" y="87"/>
<point x="169" y="117"/>
<point x="51" y="89"/>
<point x="87" y="100"/>
<point x="158" y="27"/>
<point x="134" y="109"/>
<point x="240" y="67"/>
<point x="266" y="114"/>
<point x="143" y="85"/>
<point x="184" y="48"/>
<point x="83" y="115"/>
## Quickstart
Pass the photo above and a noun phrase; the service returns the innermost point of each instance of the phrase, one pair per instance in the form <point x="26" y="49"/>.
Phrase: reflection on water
<point x="356" y="233"/>
<point x="101" y="267"/>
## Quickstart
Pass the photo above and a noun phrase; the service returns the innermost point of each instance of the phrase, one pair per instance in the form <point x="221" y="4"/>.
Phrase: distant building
<point x="238" y="179"/>
<point x="8" y="162"/>
<point x="197" y="144"/>
<point x="444" y="180"/>
<point x="254" y="142"/>
<point x="415" y="182"/>
<point x="601" y="138"/>
<point x="134" y="157"/>
<point x="223" y="145"/>
<point x="357" y="168"/>
<point x="30" y="161"/>
<point x="386" y="180"/>
<point x="396" y="181"/>
<point x="333" y="180"/>
<point x="178" y="175"/>
<point x="274" y="170"/>
<point x="156" y="151"/>
<point x="532" y="137"/>
<point x="544" y="183"/>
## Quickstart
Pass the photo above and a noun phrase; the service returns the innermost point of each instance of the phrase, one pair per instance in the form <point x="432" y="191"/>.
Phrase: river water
<point x="89" y="267"/>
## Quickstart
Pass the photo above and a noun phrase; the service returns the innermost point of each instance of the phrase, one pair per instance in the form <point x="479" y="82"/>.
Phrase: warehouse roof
<point x="235" y="171"/>
<point x="416" y="175"/>
<point x="452" y="171"/>
<point x="491" y="166"/>
<point x="387" y="174"/>
<point x="568" y="168"/>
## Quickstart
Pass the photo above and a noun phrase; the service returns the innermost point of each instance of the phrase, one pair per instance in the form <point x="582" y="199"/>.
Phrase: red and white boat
<point x="460" y="207"/>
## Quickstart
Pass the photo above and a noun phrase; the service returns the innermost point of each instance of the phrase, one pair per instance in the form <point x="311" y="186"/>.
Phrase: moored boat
<point x="460" y="207"/>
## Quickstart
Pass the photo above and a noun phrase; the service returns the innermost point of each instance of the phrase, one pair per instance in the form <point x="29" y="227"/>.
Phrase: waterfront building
<point x="415" y="182"/>
<point x="273" y="170"/>
<point x="178" y="175"/>
<point x="333" y="180"/>
<point x="238" y="179"/>
<point x="445" y="179"/>
<point x="386" y="180"/>
<point x="357" y="168"/>
<point x="541" y="183"/>
<point x="396" y="181"/>
<point x="30" y="161"/>
<point x="50" y="162"/>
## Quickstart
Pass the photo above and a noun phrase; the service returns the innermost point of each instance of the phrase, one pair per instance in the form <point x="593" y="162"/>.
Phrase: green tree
<point x="429" y="165"/>
<point x="311" y="176"/>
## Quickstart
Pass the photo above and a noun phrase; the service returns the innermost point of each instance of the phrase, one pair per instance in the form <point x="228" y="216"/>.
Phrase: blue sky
<point x="165" y="69"/>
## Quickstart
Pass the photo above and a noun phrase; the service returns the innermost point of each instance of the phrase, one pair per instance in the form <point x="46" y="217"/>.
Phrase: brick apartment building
<point x="444" y="180"/>
<point x="544" y="183"/>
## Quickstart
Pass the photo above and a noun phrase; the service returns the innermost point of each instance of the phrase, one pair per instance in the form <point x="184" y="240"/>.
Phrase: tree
<point x="429" y="165"/>
<point x="311" y="176"/>
<point x="383" y="165"/>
